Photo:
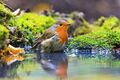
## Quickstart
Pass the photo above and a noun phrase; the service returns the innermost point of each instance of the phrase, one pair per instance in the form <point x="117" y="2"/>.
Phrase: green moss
<point x="5" y="14"/>
<point x="4" y="33"/>
<point x="32" y="25"/>
<point x="86" y="41"/>
<point x="100" y="21"/>
<point x="86" y="27"/>
<point x="35" y="23"/>
<point x="107" y="34"/>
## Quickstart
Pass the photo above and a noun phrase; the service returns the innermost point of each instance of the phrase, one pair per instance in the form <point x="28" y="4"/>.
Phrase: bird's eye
<point x="60" y="24"/>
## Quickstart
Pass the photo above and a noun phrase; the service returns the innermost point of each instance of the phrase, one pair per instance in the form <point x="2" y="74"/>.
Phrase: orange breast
<point x="62" y="33"/>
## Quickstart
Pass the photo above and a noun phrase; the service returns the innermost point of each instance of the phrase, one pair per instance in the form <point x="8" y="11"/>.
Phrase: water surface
<point x="56" y="67"/>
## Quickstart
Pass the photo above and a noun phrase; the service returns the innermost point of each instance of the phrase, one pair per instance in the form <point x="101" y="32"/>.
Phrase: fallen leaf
<point x="15" y="51"/>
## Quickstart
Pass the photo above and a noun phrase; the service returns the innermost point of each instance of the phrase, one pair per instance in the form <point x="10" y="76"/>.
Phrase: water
<point x="58" y="67"/>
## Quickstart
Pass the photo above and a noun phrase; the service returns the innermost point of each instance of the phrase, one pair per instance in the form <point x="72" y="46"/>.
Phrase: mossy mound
<point x="107" y="34"/>
<point x="32" y="25"/>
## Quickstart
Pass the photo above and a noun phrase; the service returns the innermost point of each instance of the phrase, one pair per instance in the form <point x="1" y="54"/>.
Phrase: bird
<point x="54" y="38"/>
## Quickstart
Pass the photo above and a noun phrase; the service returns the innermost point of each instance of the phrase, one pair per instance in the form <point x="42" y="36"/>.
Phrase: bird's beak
<point x="68" y="24"/>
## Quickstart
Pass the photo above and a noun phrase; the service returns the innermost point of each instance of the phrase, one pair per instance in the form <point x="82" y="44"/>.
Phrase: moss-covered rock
<point x="107" y="34"/>
<point x="32" y="25"/>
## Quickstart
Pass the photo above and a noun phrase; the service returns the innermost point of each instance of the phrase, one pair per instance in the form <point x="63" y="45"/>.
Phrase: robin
<point x="54" y="38"/>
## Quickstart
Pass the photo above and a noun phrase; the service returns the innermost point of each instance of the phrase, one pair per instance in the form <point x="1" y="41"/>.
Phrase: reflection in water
<point x="55" y="64"/>
<point x="9" y="71"/>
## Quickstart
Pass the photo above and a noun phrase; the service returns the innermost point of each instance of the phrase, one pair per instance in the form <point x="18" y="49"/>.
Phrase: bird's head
<point x="64" y="25"/>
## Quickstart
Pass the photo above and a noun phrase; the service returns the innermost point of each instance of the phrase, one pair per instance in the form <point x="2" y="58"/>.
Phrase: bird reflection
<point x="54" y="64"/>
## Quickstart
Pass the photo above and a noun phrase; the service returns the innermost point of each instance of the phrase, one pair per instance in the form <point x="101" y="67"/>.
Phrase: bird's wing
<point x="46" y="35"/>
